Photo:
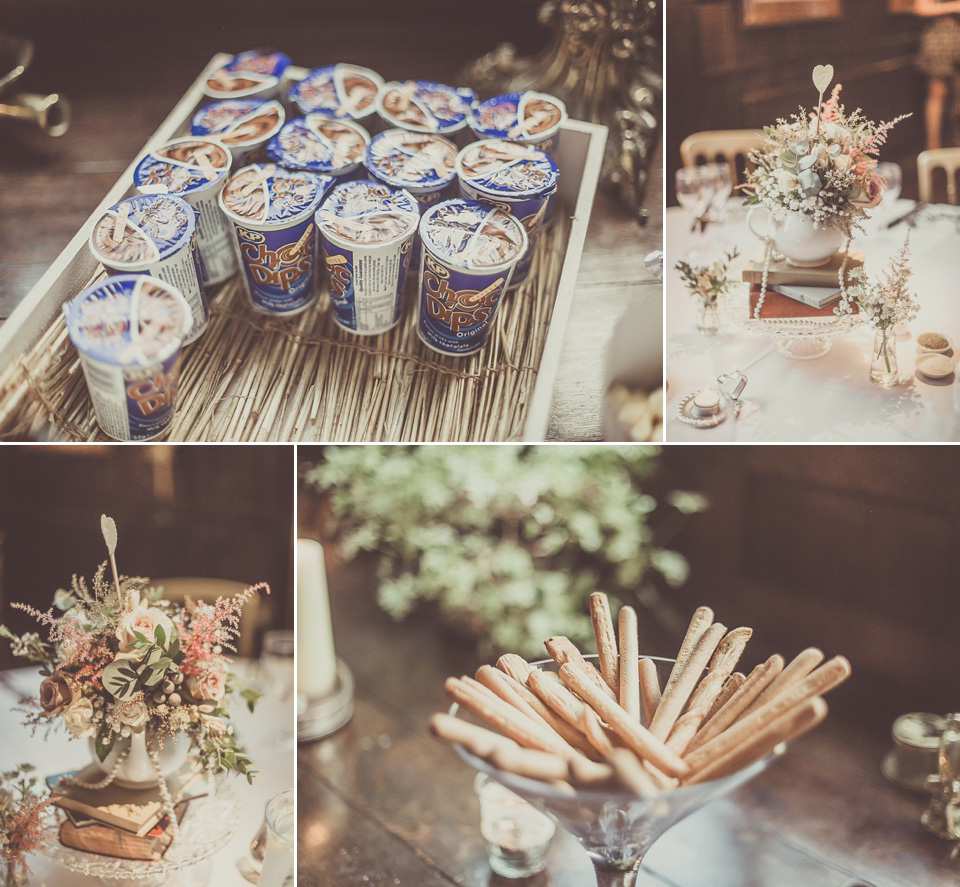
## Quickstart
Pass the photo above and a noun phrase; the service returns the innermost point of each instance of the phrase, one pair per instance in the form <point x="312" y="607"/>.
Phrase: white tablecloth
<point x="829" y="398"/>
<point x="59" y="752"/>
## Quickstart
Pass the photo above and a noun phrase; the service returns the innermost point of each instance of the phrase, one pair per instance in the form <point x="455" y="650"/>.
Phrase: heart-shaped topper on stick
<point x="822" y="78"/>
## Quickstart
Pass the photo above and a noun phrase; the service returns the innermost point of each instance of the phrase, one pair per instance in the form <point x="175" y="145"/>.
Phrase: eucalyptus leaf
<point x="63" y="600"/>
<point x="154" y="679"/>
<point x="807" y="161"/>
<point x="104" y="743"/>
<point x="160" y="635"/>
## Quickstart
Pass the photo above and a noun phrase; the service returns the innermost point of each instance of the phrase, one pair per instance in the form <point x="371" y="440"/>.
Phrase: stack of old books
<point x="122" y="822"/>
<point x="797" y="292"/>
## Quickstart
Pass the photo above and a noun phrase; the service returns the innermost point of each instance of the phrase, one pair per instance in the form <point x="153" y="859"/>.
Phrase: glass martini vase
<point x="617" y="827"/>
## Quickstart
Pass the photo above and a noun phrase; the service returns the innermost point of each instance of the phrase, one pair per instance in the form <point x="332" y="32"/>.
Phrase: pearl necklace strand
<point x="168" y="805"/>
<point x="103" y="783"/>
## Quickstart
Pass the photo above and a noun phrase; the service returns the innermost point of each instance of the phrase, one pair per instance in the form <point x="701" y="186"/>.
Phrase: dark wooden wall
<point x="852" y="549"/>
<point x="721" y="75"/>
<point x="224" y="512"/>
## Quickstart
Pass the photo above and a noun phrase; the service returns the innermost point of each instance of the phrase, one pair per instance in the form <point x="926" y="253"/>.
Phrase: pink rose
<point x="145" y="620"/>
<point x="872" y="187"/>
<point x="208" y="685"/>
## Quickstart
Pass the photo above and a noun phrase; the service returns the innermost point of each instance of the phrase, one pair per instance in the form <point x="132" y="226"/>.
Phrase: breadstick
<point x="606" y="639"/>
<point x="752" y="687"/>
<point x="590" y="724"/>
<point x="684" y="730"/>
<point x="516" y="666"/>
<point x="790" y="725"/>
<point x="631" y="773"/>
<point x="521" y="697"/>
<point x="512" y="723"/>
<point x="563" y="650"/>
<point x="796" y="670"/>
<point x="585" y="772"/>
<point x="724" y="661"/>
<point x="570" y="709"/>
<point x="731" y="685"/>
<point x="635" y="736"/>
<point x="825" y="678"/>
<point x="701" y="620"/>
<point x="649" y="687"/>
<point x="629" y="653"/>
<point x="676" y="694"/>
<point x="500" y="751"/>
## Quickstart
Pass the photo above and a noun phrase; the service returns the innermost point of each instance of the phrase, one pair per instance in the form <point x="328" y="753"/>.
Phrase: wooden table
<point x="50" y="187"/>
<point x="381" y="803"/>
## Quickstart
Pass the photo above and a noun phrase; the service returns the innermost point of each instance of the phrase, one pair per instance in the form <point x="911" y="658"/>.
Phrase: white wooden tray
<point x="579" y="157"/>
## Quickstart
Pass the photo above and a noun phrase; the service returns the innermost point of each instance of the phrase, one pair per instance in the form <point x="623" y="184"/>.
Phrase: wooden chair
<point x="947" y="159"/>
<point x="724" y="144"/>
<point x="208" y="590"/>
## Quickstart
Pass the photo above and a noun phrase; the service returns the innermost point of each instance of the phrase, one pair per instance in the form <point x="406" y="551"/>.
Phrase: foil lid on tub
<point x="425" y="106"/>
<point x="268" y="194"/>
<point x="128" y="320"/>
<point x="367" y="212"/>
<point x="496" y="166"/>
<point x="248" y="73"/>
<point x="141" y="230"/>
<point x="472" y="235"/>
<point x="343" y="91"/>
<point x="532" y="116"/>
<point x="412" y="159"/>
<point x="182" y="166"/>
<point x="238" y="122"/>
<point x="319" y="144"/>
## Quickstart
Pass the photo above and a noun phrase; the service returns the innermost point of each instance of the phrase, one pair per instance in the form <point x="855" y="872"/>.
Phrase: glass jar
<point x="883" y="361"/>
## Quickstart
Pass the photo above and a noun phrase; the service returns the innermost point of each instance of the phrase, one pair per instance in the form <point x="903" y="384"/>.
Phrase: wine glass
<point x="616" y="828"/>
<point x="277" y="673"/>
<point x="893" y="175"/>
<point x="722" y="177"/>
<point x="689" y="182"/>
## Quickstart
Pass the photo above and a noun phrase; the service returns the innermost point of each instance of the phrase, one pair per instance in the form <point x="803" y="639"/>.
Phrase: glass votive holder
<point x="280" y="816"/>
<point x="516" y="834"/>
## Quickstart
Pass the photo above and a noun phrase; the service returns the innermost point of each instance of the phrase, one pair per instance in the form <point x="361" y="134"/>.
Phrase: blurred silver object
<point x="942" y="817"/>
<point x="605" y="63"/>
<point x="51" y="113"/>
<point x="916" y="742"/>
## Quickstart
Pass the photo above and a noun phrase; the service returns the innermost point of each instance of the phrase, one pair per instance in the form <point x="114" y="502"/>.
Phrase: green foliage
<point x="509" y="540"/>
<point x="123" y="678"/>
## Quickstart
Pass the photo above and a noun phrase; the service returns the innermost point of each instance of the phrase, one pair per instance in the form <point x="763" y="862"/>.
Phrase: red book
<point x="777" y="306"/>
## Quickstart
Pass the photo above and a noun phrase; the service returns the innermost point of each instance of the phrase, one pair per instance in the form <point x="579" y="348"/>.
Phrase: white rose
<point x="843" y="162"/>
<point x="145" y="620"/>
<point x="78" y="717"/>
<point x="786" y="180"/>
<point x="133" y="713"/>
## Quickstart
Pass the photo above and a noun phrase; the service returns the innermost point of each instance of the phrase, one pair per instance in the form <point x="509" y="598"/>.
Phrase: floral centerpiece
<point x="883" y="303"/>
<point x="22" y="822"/>
<point x="707" y="283"/>
<point x="821" y="164"/>
<point x="128" y="669"/>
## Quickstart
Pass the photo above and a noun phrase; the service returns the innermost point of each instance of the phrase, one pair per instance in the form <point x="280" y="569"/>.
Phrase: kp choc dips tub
<point x="271" y="209"/>
<point x="421" y="162"/>
<point x="529" y="117"/>
<point x="320" y="144"/>
<point x="424" y="106"/>
<point x="469" y="253"/>
<point x="243" y="125"/>
<point x="344" y="92"/>
<point x="195" y="169"/>
<point x="367" y="231"/>
<point x="154" y="234"/>
<point x="253" y="73"/>
<point x="129" y="331"/>
<point x="515" y="177"/>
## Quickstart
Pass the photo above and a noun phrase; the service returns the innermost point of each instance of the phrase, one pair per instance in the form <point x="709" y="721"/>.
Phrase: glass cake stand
<point x="616" y="828"/>
<point x="207" y="828"/>
<point x="801" y="338"/>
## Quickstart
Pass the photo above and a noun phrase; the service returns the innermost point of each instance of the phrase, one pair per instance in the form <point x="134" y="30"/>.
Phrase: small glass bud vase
<point x="883" y="361"/>
<point x="707" y="321"/>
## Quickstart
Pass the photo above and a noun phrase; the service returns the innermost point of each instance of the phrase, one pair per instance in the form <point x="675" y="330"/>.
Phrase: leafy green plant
<point x="509" y="540"/>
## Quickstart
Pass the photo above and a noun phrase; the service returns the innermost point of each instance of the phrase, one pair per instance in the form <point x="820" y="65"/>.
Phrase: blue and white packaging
<point x="533" y="118"/>
<point x="516" y="177"/>
<point x="422" y="163"/>
<point x="345" y="92"/>
<point x="320" y="144"/>
<point x="196" y="170"/>
<point x="271" y="209"/>
<point x="129" y="332"/>
<point x="243" y="125"/>
<point x="469" y="252"/>
<point x="367" y="231"/>
<point x="154" y="234"/>
<point x="261" y="73"/>
<point x="425" y="106"/>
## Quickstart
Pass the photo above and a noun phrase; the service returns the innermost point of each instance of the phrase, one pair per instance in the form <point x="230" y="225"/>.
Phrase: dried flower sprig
<point x="707" y="282"/>
<point x="887" y="300"/>
<point x="23" y="828"/>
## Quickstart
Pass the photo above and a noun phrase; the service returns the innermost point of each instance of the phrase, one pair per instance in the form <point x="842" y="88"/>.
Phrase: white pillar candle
<point x="316" y="660"/>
